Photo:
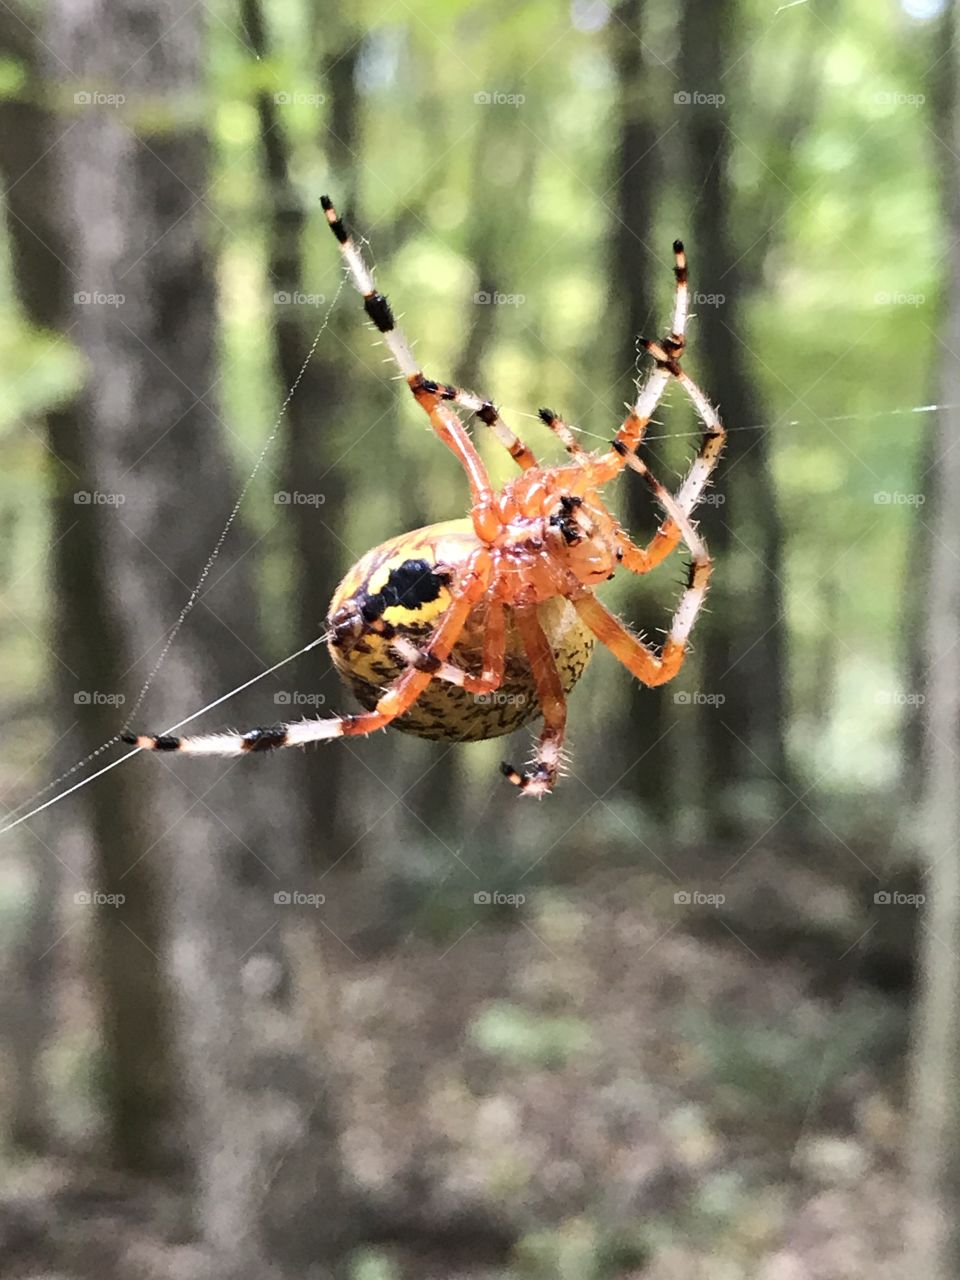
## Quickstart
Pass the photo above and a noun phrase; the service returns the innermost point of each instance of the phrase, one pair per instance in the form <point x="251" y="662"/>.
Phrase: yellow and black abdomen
<point x="401" y="587"/>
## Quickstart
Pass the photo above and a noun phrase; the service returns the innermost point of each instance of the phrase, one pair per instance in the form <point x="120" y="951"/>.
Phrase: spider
<point x="466" y="629"/>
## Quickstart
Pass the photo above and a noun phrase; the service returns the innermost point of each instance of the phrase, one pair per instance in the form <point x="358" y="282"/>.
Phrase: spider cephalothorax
<point x="468" y="629"/>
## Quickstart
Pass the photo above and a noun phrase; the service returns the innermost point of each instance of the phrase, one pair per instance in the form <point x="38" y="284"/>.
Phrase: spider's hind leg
<point x="397" y="698"/>
<point x="539" y="779"/>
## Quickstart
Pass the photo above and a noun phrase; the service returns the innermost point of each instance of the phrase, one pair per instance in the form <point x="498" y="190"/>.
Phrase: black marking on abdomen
<point x="411" y="584"/>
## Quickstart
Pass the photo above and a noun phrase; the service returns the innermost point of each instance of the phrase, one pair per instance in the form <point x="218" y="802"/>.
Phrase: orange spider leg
<point x="453" y="433"/>
<point x="403" y="693"/>
<point x="566" y="437"/>
<point x="643" y="662"/>
<point x="540" y="778"/>
<point x="398" y="697"/>
<point x="488" y="414"/>
<point x="380" y="313"/>
<point x="494" y="654"/>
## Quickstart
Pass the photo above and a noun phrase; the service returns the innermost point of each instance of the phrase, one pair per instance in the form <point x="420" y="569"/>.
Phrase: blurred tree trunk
<point x="638" y="179"/>
<point x="133" y="1005"/>
<point x="133" y="190"/>
<point x="934" y="1135"/>
<point x="314" y="435"/>
<point x="744" y="636"/>
<point x="40" y="283"/>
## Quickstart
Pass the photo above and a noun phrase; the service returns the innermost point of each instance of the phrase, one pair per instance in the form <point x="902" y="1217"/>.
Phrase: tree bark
<point x="133" y="1004"/>
<point x="638" y="177"/>
<point x="744" y="639"/>
<point x="134" y="187"/>
<point x="934" y="1133"/>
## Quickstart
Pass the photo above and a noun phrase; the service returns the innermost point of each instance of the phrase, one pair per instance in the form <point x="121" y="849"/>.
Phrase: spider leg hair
<point x="566" y="437"/>
<point x="494" y="656"/>
<point x="649" y="667"/>
<point x="397" y="698"/>
<point x="430" y="395"/>
<point x="539" y="779"/>
<point x="623" y="451"/>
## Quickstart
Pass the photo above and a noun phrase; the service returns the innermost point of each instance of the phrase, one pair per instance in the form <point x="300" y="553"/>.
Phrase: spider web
<point x="16" y="815"/>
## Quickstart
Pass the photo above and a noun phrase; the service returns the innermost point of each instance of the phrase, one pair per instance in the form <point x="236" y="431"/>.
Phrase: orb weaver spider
<point x="465" y="629"/>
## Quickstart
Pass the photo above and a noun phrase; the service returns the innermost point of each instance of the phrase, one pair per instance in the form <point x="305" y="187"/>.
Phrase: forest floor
<point x="621" y="1089"/>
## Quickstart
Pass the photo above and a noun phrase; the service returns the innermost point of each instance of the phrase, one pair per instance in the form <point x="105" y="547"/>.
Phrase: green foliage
<point x="370" y="1264"/>
<point x="523" y="1037"/>
<point x="840" y="230"/>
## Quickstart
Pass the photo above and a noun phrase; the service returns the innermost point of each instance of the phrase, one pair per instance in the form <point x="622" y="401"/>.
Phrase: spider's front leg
<point x="540" y="778"/>
<point x="666" y="354"/>
<point x="639" y="658"/>
<point x="380" y="313"/>
<point x="398" y="697"/>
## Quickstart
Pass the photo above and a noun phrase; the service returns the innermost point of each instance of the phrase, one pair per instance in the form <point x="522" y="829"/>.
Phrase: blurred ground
<point x="604" y="1092"/>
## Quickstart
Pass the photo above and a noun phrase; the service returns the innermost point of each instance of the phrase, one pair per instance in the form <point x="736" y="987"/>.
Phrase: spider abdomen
<point x="399" y="589"/>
